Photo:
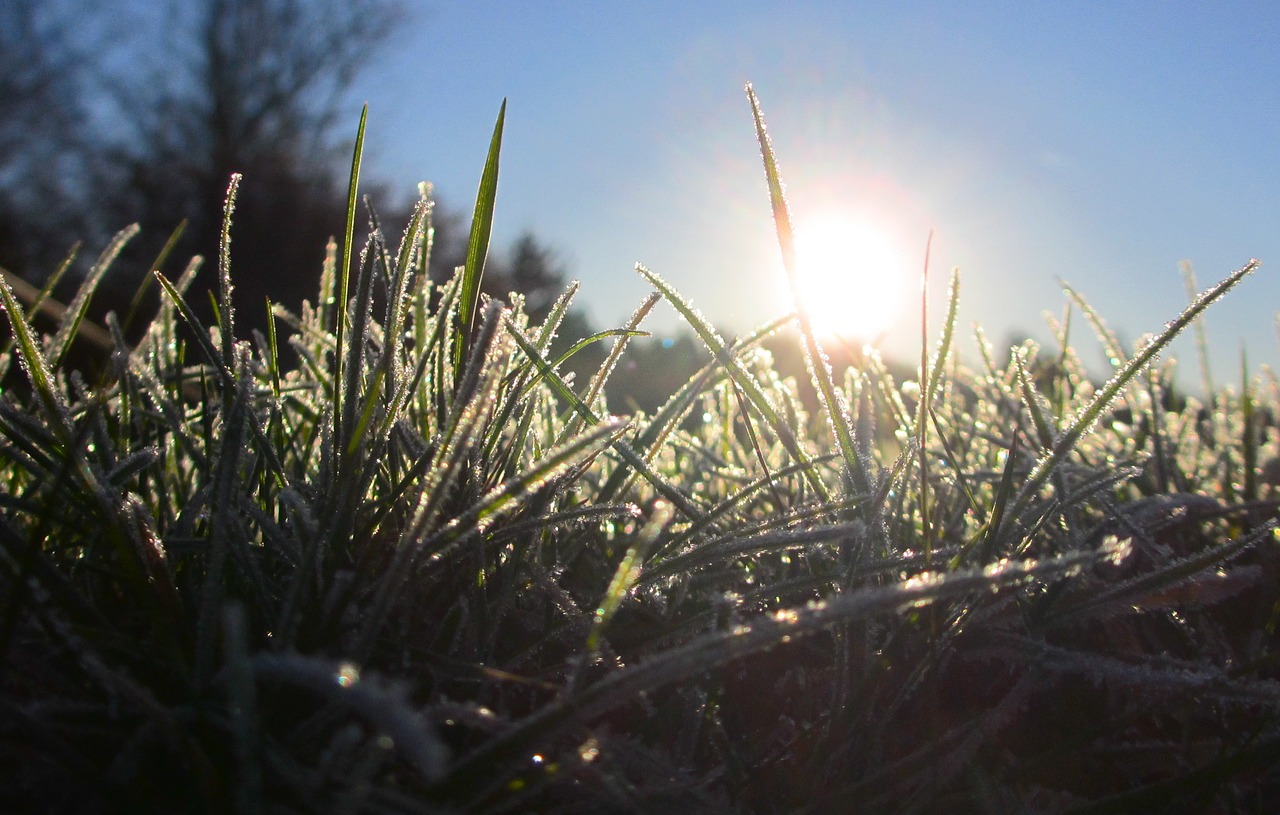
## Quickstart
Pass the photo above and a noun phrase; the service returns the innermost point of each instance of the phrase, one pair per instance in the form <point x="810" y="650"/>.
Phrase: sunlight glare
<point x="851" y="273"/>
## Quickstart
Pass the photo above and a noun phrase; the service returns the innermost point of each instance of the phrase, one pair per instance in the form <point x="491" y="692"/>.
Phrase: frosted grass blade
<point x="79" y="306"/>
<point x="624" y="450"/>
<point x="1110" y="342"/>
<point x="226" y="312"/>
<point x="1112" y="389"/>
<point x="1033" y="402"/>
<point x="739" y="374"/>
<point x="819" y="366"/>
<point x="36" y="366"/>
<point x="1202" y="337"/>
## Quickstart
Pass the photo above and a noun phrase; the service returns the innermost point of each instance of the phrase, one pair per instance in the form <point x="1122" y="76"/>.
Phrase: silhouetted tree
<point x="239" y="86"/>
<point x="44" y="175"/>
<point x="254" y="91"/>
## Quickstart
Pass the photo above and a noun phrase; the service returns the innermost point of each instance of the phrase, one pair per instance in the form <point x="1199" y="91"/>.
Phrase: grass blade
<point x="819" y="366"/>
<point x="478" y="243"/>
<point x="344" y="271"/>
<point x="750" y="387"/>
<point x="226" y="312"/>
<point x="1114" y="386"/>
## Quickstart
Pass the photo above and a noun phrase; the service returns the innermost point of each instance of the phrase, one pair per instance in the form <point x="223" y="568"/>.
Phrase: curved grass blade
<point x="1110" y="342"/>
<point x="654" y="437"/>
<point x="594" y="388"/>
<point x="75" y="313"/>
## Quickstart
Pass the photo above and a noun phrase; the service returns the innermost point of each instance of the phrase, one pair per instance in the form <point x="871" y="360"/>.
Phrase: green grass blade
<point x="79" y="306"/>
<point x="37" y="303"/>
<point x="627" y="573"/>
<point x="1249" y="429"/>
<point x="991" y="539"/>
<point x="215" y="358"/>
<point x="948" y="336"/>
<point x="145" y="285"/>
<point x="631" y="329"/>
<point x="654" y="437"/>
<point x="478" y="243"/>
<point x="343" y="275"/>
<point x="36" y="366"/>
<point x="624" y="450"/>
<point x="1033" y="401"/>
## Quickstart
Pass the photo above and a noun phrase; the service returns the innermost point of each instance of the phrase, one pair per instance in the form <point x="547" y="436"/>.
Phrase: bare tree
<point x="42" y="148"/>
<point x="185" y="94"/>
<point x="253" y="87"/>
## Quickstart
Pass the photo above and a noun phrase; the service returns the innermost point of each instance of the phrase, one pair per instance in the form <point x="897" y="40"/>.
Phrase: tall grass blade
<point x="1033" y="401"/>
<point x="1202" y="334"/>
<point x="478" y="242"/>
<point x="1249" y="429"/>
<point x="819" y="366"/>
<point x="36" y="366"/>
<point x="631" y="329"/>
<point x="162" y="257"/>
<point x="226" y="312"/>
<point x="342" y="278"/>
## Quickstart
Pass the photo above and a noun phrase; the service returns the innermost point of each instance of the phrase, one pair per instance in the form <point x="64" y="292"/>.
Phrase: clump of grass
<point x="421" y="570"/>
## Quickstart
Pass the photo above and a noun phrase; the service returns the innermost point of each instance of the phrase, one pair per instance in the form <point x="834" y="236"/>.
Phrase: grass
<point x="422" y="571"/>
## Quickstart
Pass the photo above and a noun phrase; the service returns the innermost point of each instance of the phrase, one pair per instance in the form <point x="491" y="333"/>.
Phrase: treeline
<point x="140" y="115"/>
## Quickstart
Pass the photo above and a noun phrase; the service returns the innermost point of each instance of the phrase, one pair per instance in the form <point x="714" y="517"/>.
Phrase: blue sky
<point x="1100" y="143"/>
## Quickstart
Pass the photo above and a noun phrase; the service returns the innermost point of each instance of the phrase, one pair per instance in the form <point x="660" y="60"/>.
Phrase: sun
<point x="851" y="272"/>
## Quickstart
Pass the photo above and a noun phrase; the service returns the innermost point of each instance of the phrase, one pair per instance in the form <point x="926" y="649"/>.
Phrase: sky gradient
<point x="1097" y="143"/>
